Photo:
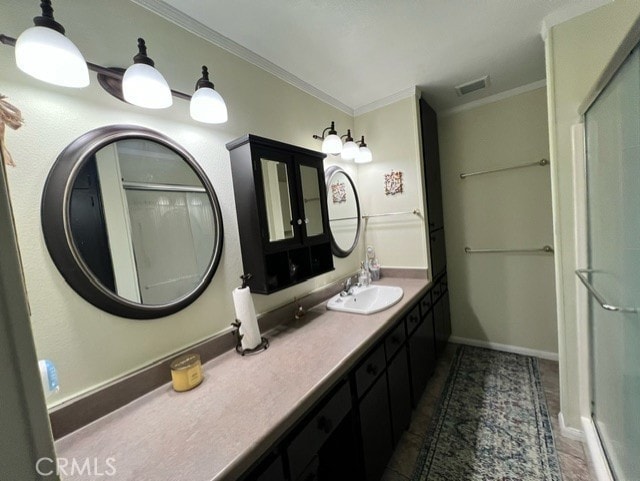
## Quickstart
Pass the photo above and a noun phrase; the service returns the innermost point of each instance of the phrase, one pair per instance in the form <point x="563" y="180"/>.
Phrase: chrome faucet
<point x="348" y="287"/>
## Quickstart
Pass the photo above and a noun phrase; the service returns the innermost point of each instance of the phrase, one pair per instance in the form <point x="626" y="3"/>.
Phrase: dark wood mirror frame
<point x="57" y="230"/>
<point x="329" y="173"/>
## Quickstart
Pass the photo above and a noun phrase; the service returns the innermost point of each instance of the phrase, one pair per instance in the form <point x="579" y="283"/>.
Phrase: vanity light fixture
<point x="143" y="85"/>
<point x="331" y="144"/>
<point x="45" y="53"/>
<point x="207" y="105"/>
<point x="364" y="153"/>
<point x="351" y="150"/>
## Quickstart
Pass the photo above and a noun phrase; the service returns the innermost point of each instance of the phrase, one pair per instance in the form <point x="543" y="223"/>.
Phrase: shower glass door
<point x="613" y="277"/>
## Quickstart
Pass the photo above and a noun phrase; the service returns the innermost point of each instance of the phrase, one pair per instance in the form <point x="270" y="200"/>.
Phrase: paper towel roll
<point x="246" y="314"/>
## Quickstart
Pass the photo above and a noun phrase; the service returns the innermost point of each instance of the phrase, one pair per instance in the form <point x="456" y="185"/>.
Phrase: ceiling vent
<point x="472" y="86"/>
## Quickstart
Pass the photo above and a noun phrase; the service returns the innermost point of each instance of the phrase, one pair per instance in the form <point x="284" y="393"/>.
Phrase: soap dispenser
<point x="364" y="278"/>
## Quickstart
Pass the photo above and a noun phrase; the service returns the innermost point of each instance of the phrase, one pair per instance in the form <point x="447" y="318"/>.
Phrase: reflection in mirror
<point x="132" y="222"/>
<point x="275" y="182"/>
<point x="142" y="221"/>
<point x="344" y="211"/>
<point x="312" y="201"/>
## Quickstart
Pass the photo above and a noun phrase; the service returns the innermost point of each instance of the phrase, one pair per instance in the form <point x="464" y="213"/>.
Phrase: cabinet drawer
<point x="394" y="340"/>
<point x="370" y="369"/>
<point x="309" y="441"/>
<point x="413" y="319"/>
<point x="425" y="304"/>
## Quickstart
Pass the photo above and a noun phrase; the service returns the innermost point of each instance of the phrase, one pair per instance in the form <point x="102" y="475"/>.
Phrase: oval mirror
<point x="344" y="211"/>
<point x="132" y="222"/>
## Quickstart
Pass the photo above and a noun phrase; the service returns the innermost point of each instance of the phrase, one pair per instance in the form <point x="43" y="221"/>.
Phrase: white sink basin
<point x="366" y="300"/>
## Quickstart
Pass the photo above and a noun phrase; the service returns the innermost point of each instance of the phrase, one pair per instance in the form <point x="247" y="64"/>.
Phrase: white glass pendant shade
<point x="208" y="106"/>
<point x="144" y="86"/>
<point x="48" y="55"/>
<point x="349" y="150"/>
<point x="364" y="156"/>
<point x="332" y="144"/>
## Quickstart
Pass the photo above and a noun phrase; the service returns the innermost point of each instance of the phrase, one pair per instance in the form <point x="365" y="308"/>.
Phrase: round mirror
<point x="344" y="211"/>
<point x="132" y="222"/>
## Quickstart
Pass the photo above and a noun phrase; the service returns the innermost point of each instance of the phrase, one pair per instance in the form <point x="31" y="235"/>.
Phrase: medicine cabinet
<point x="281" y="205"/>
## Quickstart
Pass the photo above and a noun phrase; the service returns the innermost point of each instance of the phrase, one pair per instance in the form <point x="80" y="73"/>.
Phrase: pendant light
<point x="143" y="85"/>
<point x="206" y="104"/>
<point x="350" y="148"/>
<point x="45" y="53"/>
<point x="364" y="153"/>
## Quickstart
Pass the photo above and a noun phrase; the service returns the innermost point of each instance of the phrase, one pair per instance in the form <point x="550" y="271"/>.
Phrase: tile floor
<point x="573" y="459"/>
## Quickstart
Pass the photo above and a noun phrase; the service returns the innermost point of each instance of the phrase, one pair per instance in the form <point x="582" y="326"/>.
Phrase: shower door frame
<point x="590" y="433"/>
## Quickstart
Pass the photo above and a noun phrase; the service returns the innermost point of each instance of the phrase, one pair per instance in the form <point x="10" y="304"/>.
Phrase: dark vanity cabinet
<point x="373" y="407"/>
<point x="433" y="184"/>
<point x="422" y="354"/>
<point x="441" y="315"/>
<point x="351" y="432"/>
<point x="281" y="204"/>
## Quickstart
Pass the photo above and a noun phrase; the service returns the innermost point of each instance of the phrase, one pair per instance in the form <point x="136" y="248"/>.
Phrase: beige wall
<point x="577" y="52"/>
<point x="393" y="135"/>
<point x="91" y="347"/>
<point x="499" y="298"/>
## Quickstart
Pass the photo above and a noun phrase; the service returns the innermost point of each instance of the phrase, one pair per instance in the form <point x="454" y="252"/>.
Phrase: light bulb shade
<point x="144" y="86"/>
<point x="349" y="150"/>
<point x="364" y="155"/>
<point x="208" y="106"/>
<point x="49" y="56"/>
<point x="332" y="144"/>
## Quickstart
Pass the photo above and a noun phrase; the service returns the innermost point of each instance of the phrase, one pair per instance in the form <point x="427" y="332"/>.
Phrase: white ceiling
<point x="359" y="52"/>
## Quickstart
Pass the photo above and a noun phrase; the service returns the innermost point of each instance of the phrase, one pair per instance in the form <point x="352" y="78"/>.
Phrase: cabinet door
<point x="375" y="428"/>
<point x="307" y="443"/>
<point x="431" y="160"/>
<point x="440" y="325"/>
<point x="399" y="394"/>
<point x="276" y="193"/>
<point x="446" y="318"/>
<point x="422" y="356"/>
<point x="438" y="253"/>
<point x="313" y="209"/>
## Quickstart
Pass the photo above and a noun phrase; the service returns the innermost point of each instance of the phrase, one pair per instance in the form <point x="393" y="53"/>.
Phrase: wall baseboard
<point x="552" y="356"/>
<point x="571" y="433"/>
<point x="598" y="459"/>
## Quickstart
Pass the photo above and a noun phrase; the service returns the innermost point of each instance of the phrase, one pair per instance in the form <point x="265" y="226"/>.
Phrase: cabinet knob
<point x="299" y="221"/>
<point x="372" y="369"/>
<point x="324" y="424"/>
<point x="395" y="340"/>
<point x="306" y="221"/>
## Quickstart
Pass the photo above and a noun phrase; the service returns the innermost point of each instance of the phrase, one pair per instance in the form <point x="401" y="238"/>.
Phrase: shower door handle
<point x="582" y="275"/>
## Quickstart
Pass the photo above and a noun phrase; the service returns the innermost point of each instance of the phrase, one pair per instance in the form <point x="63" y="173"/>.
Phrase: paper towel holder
<point x="264" y="344"/>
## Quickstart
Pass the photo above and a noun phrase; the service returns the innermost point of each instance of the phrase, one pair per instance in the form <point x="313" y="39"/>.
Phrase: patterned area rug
<point x="492" y="423"/>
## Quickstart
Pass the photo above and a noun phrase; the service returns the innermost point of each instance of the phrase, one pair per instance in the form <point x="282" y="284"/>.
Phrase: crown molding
<point x="185" y="21"/>
<point x="388" y="100"/>
<point x="495" y="98"/>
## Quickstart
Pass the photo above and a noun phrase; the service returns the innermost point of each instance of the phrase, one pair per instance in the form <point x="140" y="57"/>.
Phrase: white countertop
<point x="244" y="405"/>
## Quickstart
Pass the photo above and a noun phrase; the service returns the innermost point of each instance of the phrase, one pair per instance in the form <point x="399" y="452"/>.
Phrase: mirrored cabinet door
<point x="277" y="201"/>
<point x="310" y="182"/>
